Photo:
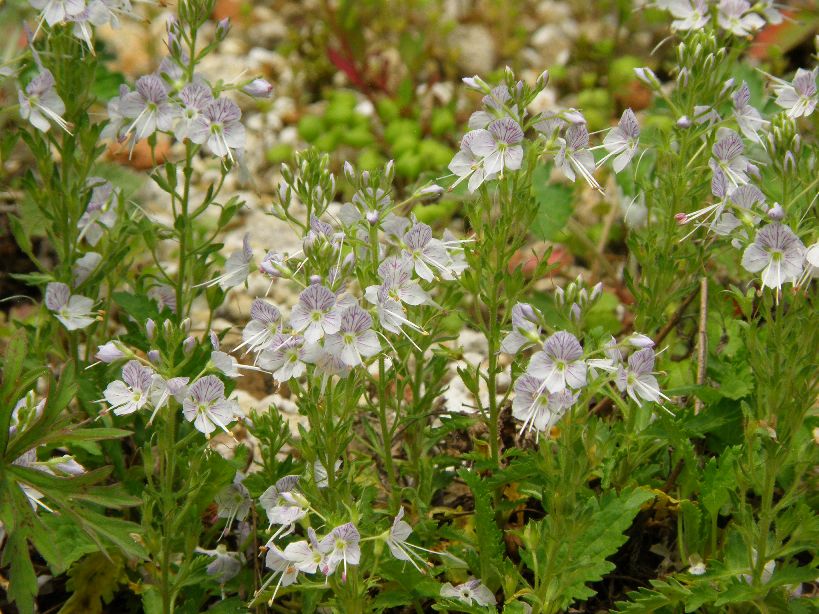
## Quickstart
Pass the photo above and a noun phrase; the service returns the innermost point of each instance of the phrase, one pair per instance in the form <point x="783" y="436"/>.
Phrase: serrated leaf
<point x="489" y="537"/>
<point x="718" y="481"/>
<point x="22" y="586"/>
<point x="582" y="557"/>
<point x="554" y="205"/>
<point x="137" y="306"/>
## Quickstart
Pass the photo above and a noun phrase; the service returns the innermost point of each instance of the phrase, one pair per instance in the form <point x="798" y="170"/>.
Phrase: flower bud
<point x="258" y="88"/>
<point x="349" y="172"/>
<point x="109" y="352"/>
<point x="154" y="356"/>
<point x="776" y="212"/>
<point x="431" y="190"/>
<point x="542" y="80"/>
<point x="315" y="280"/>
<point x="789" y="163"/>
<point x="684" y="122"/>
<point x="186" y="325"/>
<point x="188" y="344"/>
<point x="583" y="296"/>
<point x="647" y="76"/>
<point x="560" y="296"/>
<point x="476" y="83"/>
<point x="365" y="178"/>
<point x="372" y="217"/>
<point x="222" y="29"/>
<point x="641" y="341"/>
<point x="682" y="78"/>
<point x="167" y="326"/>
<point x="214" y="340"/>
<point x="753" y="170"/>
<point x="575" y="312"/>
<point x="389" y="171"/>
<point x="150" y="329"/>
<point x="597" y="290"/>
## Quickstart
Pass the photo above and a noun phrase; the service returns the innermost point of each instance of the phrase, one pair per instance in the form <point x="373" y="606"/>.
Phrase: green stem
<point x="168" y="508"/>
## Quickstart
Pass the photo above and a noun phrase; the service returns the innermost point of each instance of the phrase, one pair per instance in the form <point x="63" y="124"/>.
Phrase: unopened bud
<point x="542" y="79"/>
<point x="315" y="280"/>
<point x="167" y="326"/>
<point x="188" y="344"/>
<point x="349" y="172"/>
<point x="684" y="122"/>
<point x="597" y="290"/>
<point x="389" y="171"/>
<point x="186" y="325"/>
<point x="560" y="296"/>
<point x="776" y="212"/>
<point x="222" y="29"/>
<point x="575" y="312"/>
<point x="214" y="340"/>
<point x="109" y="352"/>
<point x="372" y="217"/>
<point x="258" y="88"/>
<point x="150" y="329"/>
<point x="640" y="340"/>
<point x="154" y="356"/>
<point x="789" y="162"/>
<point x="647" y="76"/>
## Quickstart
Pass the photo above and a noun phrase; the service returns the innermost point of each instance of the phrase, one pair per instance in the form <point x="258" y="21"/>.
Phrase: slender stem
<point x="168" y="499"/>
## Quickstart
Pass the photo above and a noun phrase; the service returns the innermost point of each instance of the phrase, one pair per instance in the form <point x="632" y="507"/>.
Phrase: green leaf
<point x="718" y="482"/>
<point x="139" y="307"/>
<point x="68" y="540"/>
<point x="598" y="533"/>
<point x="490" y="538"/>
<point x="22" y="580"/>
<point x="554" y="204"/>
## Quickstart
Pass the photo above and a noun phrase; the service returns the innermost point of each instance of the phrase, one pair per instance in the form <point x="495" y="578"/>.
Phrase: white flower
<point x="41" y="103"/>
<point x="218" y="127"/>
<point x="638" y="379"/>
<point x="727" y="157"/>
<point x="536" y="406"/>
<point x="233" y="502"/>
<point x="574" y="155"/>
<point x="225" y="565"/>
<point x="237" y="267"/>
<point x="305" y="555"/>
<point x="283" y="504"/>
<point x="341" y="546"/>
<point x="469" y="592"/>
<point x="689" y="14"/>
<point x="799" y="97"/>
<point x="778" y="253"/>
<point x="355" y="339"/>
<point x="560" y="363"/>
<point x="205" y="405"/>
<point x="73" y="311"/>
<point x="316" y="313"/>
<point x="84" y="266"/>
<point x="57" y="11"/>
<point x="748" y="119"/>
<point x="736" y="17"/>
<point x="487" y="152"/>
<point x="132" y="392"/>
<point x="621" y="142"/>
<point x="148" y="107"/>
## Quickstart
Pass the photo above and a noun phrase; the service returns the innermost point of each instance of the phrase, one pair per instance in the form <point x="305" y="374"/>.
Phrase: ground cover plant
<point x="540" y="362"/>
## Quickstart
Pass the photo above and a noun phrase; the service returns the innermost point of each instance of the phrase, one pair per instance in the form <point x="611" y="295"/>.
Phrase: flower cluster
<point x="82" y="15"/>
<point x="735" y="16"/>
<point x="739" y="206"/>
<point x="560" y="368"/>
<point x="202" y="402"/>
<point x="495" y="143"/>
